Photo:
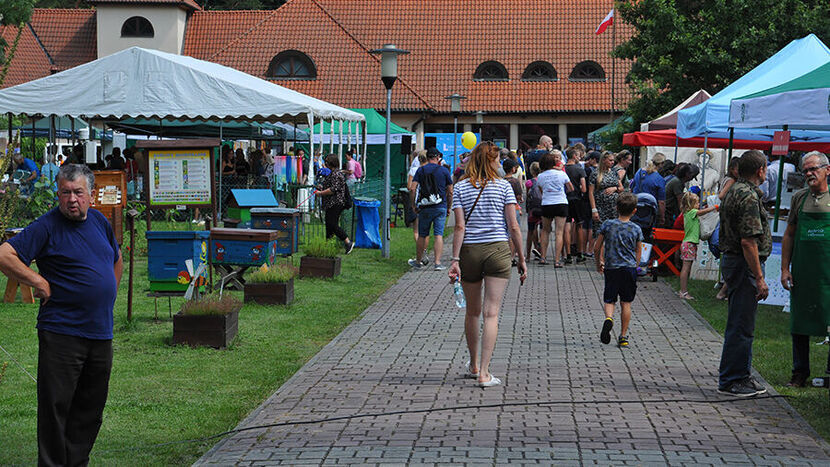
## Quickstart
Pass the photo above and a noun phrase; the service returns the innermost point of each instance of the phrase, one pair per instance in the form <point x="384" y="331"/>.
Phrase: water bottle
<point x="821" y="382"/>
<point x="460" y="301"/>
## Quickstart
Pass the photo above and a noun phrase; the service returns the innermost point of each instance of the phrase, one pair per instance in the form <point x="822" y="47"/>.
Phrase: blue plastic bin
<point x="367" y="230"/>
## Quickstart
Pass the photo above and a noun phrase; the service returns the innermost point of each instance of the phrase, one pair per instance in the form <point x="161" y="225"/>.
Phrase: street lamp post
<point x="388" y="74"/>
<point x="455" y="108"/>
<point x="480" y="121"/>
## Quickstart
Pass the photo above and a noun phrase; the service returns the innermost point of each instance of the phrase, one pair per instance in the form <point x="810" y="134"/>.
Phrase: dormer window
<point x="291" y="64"/>
<point x="587" y="71"/>
<point x="539" y="71"/>
<point x="491" y="71"/>
<point x="137" y="26"/>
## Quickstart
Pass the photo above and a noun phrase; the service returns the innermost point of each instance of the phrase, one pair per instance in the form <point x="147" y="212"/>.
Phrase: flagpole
<point x="613" y="58"/>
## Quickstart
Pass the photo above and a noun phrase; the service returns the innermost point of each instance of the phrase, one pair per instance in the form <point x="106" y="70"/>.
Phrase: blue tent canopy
<point x="797" y="58"/>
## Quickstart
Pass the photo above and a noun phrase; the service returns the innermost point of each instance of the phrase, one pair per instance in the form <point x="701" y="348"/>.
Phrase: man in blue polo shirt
<point x="431" y="195"/>
<point x="32" y="173"/>
<point x="80" y="267"/>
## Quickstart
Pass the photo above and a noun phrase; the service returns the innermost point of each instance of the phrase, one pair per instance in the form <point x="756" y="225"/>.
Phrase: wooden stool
<point x="11" y="292"/>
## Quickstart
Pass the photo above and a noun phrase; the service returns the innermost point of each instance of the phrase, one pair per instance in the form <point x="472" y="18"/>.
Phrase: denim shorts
<point x="435" y="217"/>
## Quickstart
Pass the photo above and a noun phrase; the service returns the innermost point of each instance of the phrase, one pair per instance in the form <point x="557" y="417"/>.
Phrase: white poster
<point x="180" y="176"/>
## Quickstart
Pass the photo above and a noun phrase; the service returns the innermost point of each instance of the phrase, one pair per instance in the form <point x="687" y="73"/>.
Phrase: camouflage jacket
<point x="742" y="215"/>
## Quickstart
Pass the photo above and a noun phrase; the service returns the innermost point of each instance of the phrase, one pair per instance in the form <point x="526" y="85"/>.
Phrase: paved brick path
<point x="407" y="350"/>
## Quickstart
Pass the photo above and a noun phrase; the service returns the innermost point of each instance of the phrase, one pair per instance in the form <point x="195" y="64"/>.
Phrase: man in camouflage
<point x="746" y="243"/>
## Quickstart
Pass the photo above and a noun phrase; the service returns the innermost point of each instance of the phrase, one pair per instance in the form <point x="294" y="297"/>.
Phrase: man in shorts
<point x="574" y="232"/>
<point x="431" y="194"/>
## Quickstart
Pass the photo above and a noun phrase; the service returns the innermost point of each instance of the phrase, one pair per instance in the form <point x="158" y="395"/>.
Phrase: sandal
<point x="543" y="262"/>
<point x="686" y="296"/>
<point x="558" y="265"/>
<point x="487" y="384"/>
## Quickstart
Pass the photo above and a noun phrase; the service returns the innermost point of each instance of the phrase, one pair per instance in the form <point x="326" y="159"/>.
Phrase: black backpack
<point x="428" y="190"/>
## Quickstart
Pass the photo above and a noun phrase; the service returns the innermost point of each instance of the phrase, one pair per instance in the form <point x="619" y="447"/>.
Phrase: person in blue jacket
<point x="27" y="165"/>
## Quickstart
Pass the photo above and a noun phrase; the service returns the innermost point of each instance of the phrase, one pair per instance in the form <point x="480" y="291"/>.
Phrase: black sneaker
<point x="754" y="384"/>
<point x="349" y="247"/>
<point x="581" y="259"/>
<point x="605" y="335"/>
<point x="569" y="260"/>
<point x="622" y="342"/>
<point x="740" y="389"/>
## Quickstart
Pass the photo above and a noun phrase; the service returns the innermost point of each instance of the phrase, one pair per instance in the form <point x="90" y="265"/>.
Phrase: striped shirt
<point x="487" y="222"/>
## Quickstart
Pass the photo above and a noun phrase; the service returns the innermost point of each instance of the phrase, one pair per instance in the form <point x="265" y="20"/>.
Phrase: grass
<point x="771" y="352"/>
<point x="160" y="393"/>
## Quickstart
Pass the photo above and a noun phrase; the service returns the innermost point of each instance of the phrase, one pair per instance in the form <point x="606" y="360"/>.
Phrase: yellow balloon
<point x="468" y="140"/>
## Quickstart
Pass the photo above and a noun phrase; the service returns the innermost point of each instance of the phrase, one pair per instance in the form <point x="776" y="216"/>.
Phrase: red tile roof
<point x="189" y="4"/>
<point x="209" y="31"/>
<point x="30" y="60"/>
<point x="446" y="42"/>
<point x="68" y="35"/>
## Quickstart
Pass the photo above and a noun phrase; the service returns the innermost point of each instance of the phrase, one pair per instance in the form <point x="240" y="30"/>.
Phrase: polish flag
<point x="608" y="21"/>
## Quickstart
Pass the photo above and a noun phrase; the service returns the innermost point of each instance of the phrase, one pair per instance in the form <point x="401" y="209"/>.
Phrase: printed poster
<point x="180" y="176"/>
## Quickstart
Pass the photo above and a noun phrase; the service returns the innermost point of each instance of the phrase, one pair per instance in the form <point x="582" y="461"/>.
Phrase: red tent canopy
<point x="667" y="138"/>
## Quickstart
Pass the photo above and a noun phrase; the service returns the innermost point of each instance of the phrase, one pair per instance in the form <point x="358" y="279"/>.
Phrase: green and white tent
<point x="801" y="103"/>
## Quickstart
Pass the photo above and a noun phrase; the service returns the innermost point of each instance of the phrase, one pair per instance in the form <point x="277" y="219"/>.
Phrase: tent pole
<point x="340" y="143"/>
<point x="52" y="134"/>
<point x="676" y="141"/>
<point x="703" y="169"/>
<point x="294" y="136"/>
<point x="365" y="134"/>
<point x="311" y="149"/>
<point x="9" y="144"/>
<point x="331" y="135"/>
<point x="731" y="138"/>
<point x="218" y="215"/>
<point x="34" y="148"/>
<point x="778" y="189"/>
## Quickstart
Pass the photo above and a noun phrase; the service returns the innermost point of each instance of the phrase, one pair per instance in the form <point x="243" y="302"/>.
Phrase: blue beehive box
<point x="242" y="200"/>
<point x="166" y="255"/>
<point x="285" y="221"/>
<point x="243" y="247"/>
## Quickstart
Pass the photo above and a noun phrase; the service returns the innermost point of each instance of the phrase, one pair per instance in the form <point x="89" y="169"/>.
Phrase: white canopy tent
<point x="143" y="83"/>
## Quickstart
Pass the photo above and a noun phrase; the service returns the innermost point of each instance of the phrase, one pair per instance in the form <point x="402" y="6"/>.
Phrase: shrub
<point x="277" y="273"/>
<point x="211" y="304"/>
<point x="321" y="248"/>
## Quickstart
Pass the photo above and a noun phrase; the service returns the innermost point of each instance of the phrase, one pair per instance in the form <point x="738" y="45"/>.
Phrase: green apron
<point x="810" y="294"/>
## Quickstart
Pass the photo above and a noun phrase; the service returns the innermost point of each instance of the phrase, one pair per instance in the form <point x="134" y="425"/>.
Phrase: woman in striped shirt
<point x="485" y="221"/>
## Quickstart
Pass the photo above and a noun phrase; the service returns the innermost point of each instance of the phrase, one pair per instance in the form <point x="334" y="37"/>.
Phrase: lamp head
<point x="389" y="63"/>
<point x="455" y="102"/>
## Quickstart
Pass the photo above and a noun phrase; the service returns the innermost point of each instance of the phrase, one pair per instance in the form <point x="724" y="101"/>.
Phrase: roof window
<point x="291" y="64"/>
<point x="539" y="71"/>
<point x="491" y="71"/>
<point x="587" y="71"/>
<point x="137" y="26"/>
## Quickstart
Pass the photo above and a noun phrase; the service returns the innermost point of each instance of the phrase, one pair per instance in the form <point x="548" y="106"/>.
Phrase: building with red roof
<point x="526" y="67"/>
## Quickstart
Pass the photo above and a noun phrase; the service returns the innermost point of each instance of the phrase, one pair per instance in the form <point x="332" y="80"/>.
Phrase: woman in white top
<point x="554" y="183"/>
<point x="485" y="209"/>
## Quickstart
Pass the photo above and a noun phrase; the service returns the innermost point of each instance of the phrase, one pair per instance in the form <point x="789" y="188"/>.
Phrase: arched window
<point x="539" y="71"/>
<point x="137" y="26"/>
<point x="587" y="71"/>
<point x="291" y="64"/>
<point x="491" y="71"/>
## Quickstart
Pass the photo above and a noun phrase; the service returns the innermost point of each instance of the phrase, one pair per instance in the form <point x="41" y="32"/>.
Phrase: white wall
<point x="168" y="25"/>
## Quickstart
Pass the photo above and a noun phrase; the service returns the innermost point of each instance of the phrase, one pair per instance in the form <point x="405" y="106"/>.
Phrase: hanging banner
<point x="781" y="143"/>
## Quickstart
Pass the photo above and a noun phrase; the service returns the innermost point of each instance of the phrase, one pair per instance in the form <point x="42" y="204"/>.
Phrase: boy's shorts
<point x="688" y="251"/>
<point x="622" y="283"/>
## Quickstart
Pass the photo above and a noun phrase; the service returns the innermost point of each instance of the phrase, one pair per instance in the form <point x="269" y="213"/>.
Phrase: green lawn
<point x="771" y="352"/>
<point x="160" y="393"/>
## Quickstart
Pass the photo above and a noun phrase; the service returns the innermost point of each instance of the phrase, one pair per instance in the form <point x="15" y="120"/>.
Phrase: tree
<point x="679" y="47"/>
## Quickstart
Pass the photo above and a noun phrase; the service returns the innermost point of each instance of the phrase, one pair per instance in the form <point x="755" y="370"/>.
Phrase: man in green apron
<point x="806" y="245"/>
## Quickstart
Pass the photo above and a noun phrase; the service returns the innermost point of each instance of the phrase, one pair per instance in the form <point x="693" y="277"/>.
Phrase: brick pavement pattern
<point x="654" y="403"/>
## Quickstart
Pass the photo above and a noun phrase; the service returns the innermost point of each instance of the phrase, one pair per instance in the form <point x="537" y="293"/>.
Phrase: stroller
<point x="646" y="218"/>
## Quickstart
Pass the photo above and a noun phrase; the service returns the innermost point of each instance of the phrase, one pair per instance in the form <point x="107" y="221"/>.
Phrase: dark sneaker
<point x="536" y="253"/>
<point x="754" y="384"/>
<point x="413" y="262"/>
<point x="349" y="247"/>
<point x="569" y="260"/>
<point x="581" y="259"/>
<point x="425" y="261"/>
<point x="622" y="342"/>
<point x="440" y="267"/>
<point x="605" y="335"/>
<point x="739" y="389"/>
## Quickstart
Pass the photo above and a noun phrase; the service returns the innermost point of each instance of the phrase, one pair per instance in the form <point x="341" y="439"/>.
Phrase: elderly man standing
<point x="746" y="243"/>
<point x="806" y="246"/>
<point x="80" y="268"/>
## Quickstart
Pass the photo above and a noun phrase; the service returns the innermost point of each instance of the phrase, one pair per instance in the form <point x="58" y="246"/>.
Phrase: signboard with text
<point x="781" y="143"/>
<point x="179" y="176"/>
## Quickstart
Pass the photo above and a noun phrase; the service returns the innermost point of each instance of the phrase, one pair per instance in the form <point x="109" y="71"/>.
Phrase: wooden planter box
<point x="272" y="293"/>
<point x="311" y="266"/>
<point x="209" y="330"/>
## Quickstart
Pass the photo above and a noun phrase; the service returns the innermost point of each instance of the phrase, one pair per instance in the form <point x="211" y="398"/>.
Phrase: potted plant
<point x="211" y="320"/>
<point x="320" y="258"/>
<point x="271" y="285"/>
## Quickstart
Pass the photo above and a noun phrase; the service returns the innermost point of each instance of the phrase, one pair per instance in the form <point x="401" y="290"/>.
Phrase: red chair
<point x="667" y="236"/>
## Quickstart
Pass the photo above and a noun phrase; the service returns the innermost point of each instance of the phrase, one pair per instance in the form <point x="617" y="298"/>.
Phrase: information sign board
<point x="780" y="143"/>
<point x="179" y="176"/>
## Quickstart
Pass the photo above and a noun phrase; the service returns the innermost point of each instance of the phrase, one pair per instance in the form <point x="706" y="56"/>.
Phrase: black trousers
<point x="801" y="356"/>
<point x="333" y="223"/>
<point x="73" y="376"/>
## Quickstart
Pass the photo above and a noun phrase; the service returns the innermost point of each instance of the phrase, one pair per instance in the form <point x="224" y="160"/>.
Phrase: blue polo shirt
<point x="653" y="184"/>
<point x="30" y="166"/>
<point x="77" y="259"/>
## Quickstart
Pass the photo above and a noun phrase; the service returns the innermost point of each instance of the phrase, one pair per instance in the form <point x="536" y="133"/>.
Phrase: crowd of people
<point x="586" y="203"/>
